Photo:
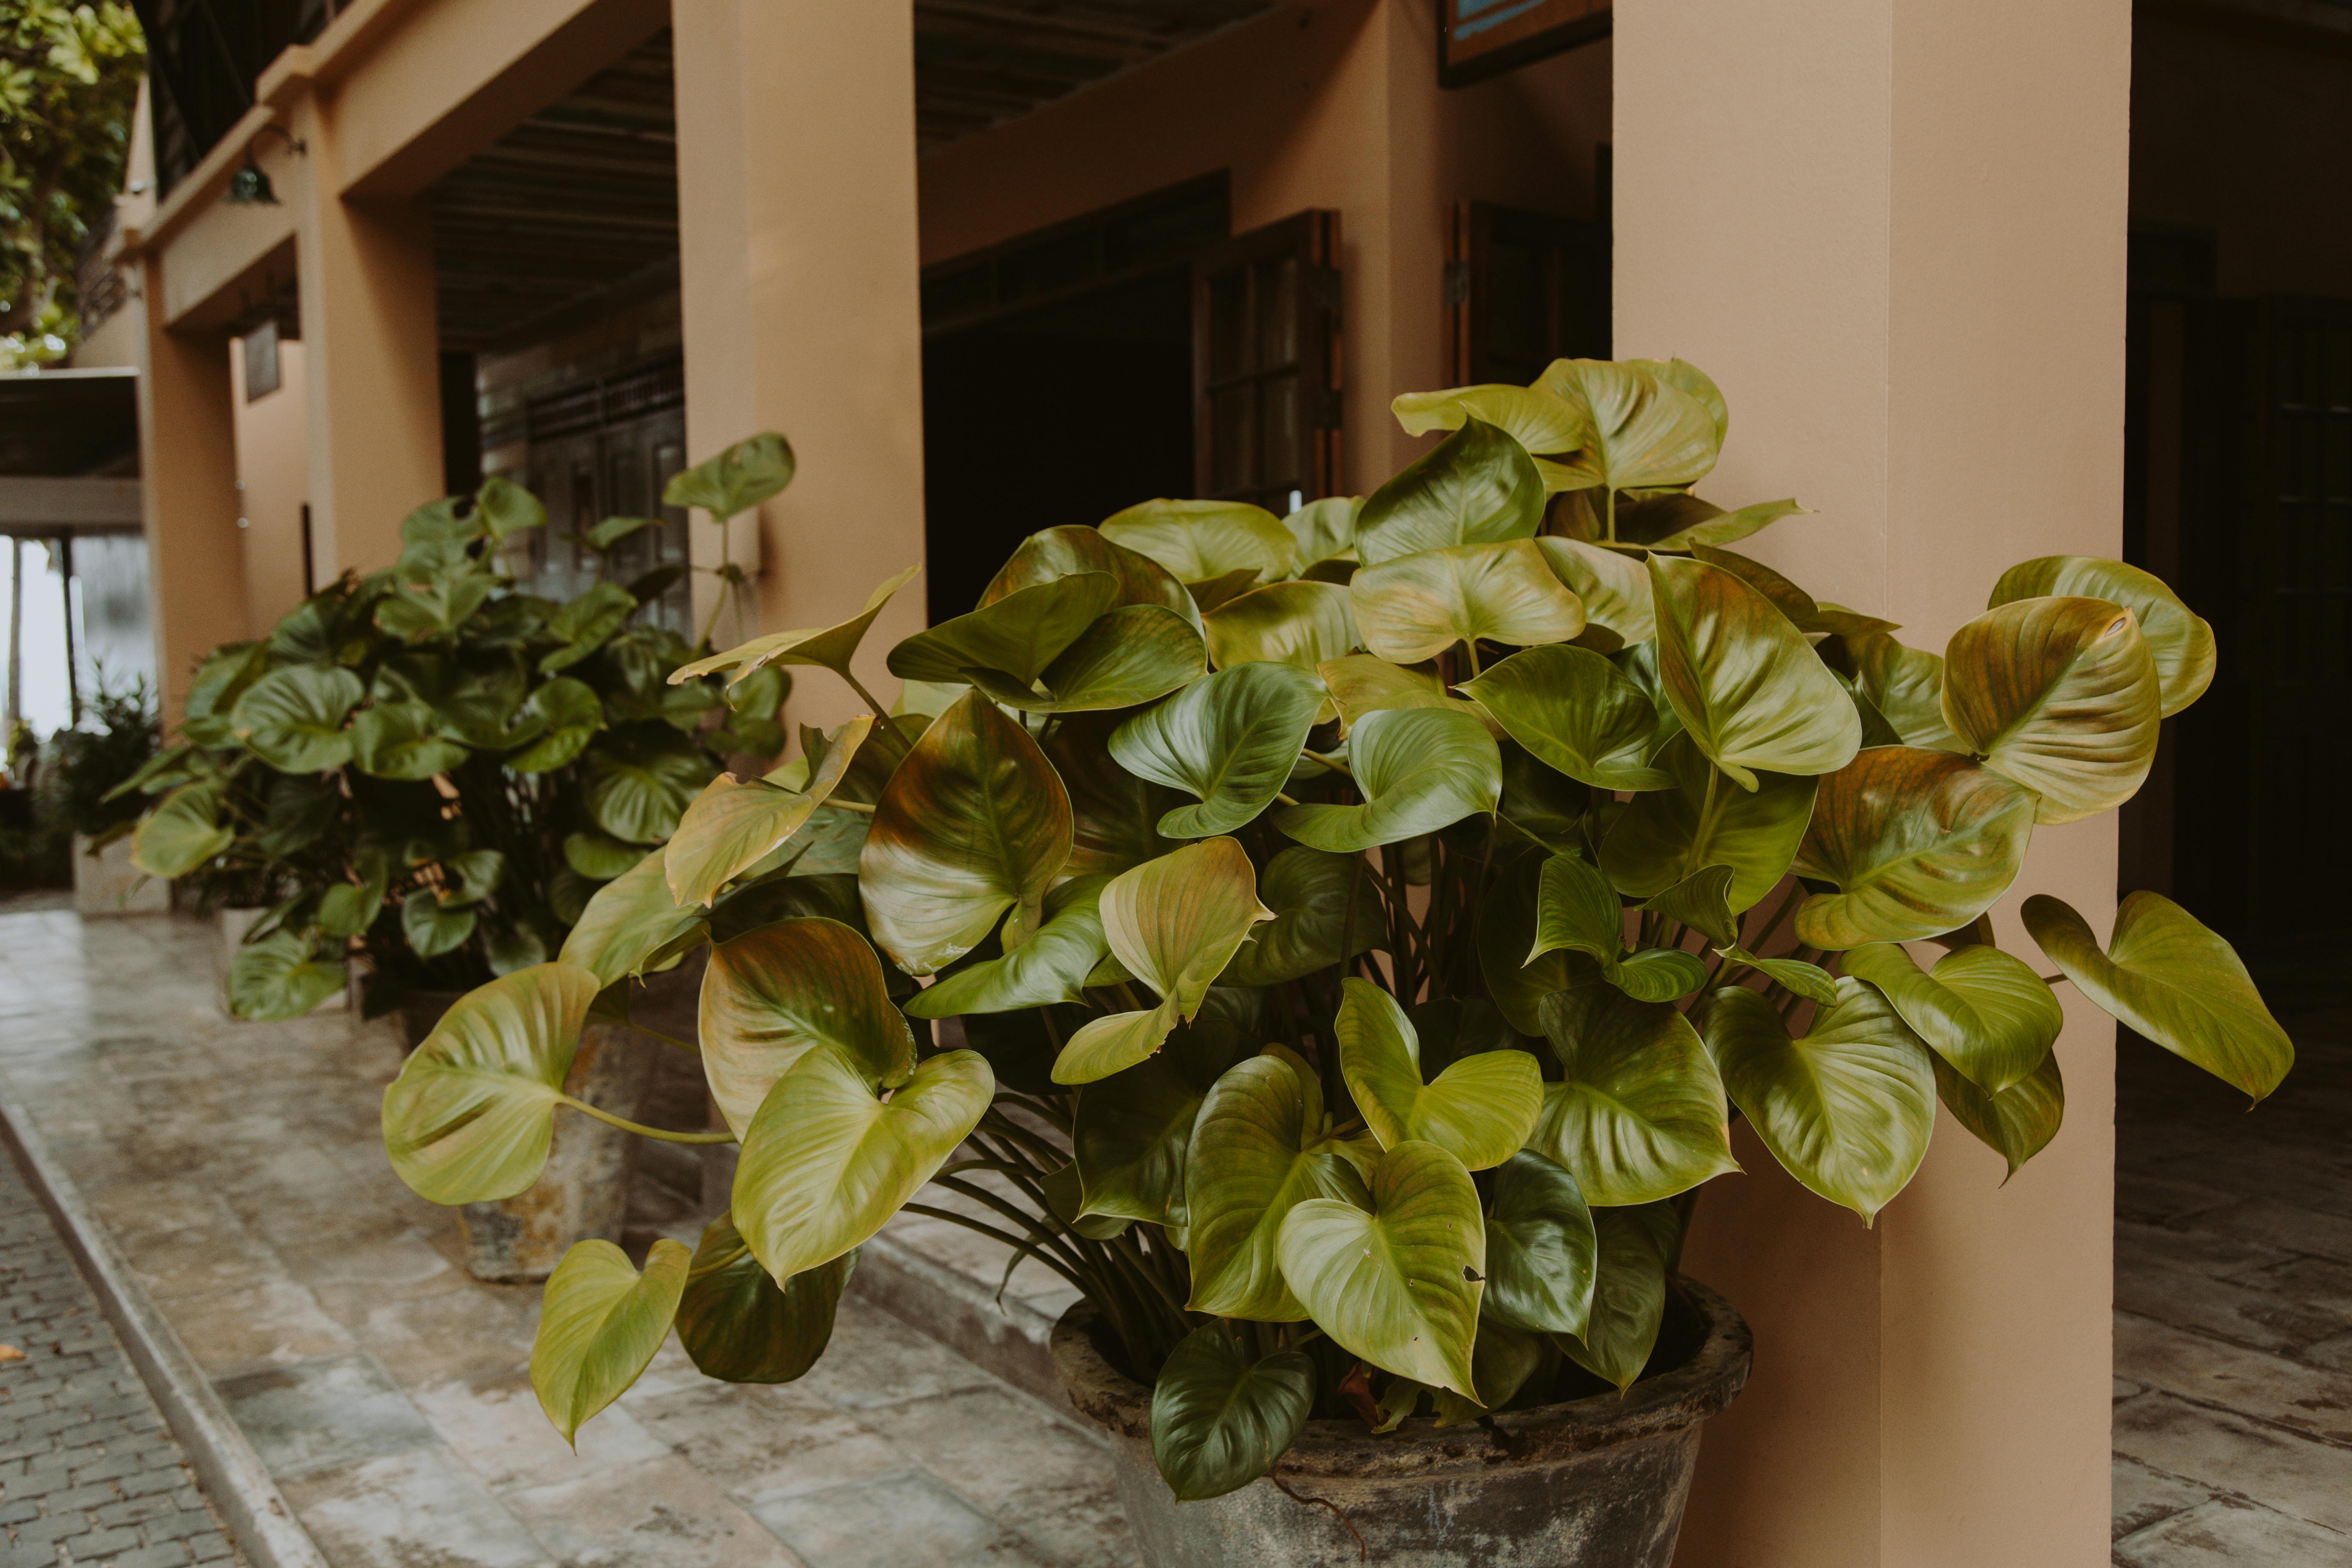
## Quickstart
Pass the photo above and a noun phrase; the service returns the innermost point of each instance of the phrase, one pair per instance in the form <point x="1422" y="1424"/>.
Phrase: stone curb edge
<point x="1008" y="1339"/>
<point x="232" y="1474"/>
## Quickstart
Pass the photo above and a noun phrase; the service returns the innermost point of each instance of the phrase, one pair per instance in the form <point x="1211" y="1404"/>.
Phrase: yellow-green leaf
<point x="600" y="1325"/>
<point x="778" y="991"/>
<point x="1614" y="586"/>
<point x="1254" y="1157"/>
<point x="2177" y="639"/>
<point x="2059" y="694"/>
<point x="1048" y="968"/>
<point x="1638" y="1114"/>
<point x="1750" y="691"/>
<point x="734" y="823"/>
<point x="1297" y="624"/>
<point x="1414" y="607"/>
<point x="1231" y="739"/>
<point x="1479" y="1110"/>
<point x="1418" y="769"/>
<point x="2016" y="1123"/>
<point x="1647" y="432"/>
<point x="1982" y="1010"/>
<point x="1477" y="487"/>
<point x="829" y="648"/>
<point x="1361" y="684"/>
<point x="1201" y="541"/>
<point x="1019" y="636"/>
<point x="1578" y="712"/>
<point x="1915" y="842"/>
<point x="1666" y="836"/>
<point x="1536" y="419"/>
<point x="1906" y="686"/>
<point x="631" y="922"/>
<point x="1071" y="548"/>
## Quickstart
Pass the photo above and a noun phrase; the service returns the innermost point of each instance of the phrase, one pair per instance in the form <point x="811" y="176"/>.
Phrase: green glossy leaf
<point x="827" y="1161"/>
<point x="2181" y="642"/>
<point x="602" y="536"/>
<point x="1656" y="974"/>
<point x="1175" y="923"/>
<point x="1056" y="553"/>
<point x="973" y="821"/>
<point x="1543" y="804"/>
<point x="1221" y="1418"/>
<point x="1135" y="653"/>
<point x="1019" y="635"/>
<point x="1915" y="842"/>
<point x="347" y="908"/>
<point x="600" y="1326"/>
<point x="1540" y="1248"/>
<point x="2018" y="1122"/>
<point x="734" y="823"/>
<point x="1132" y="1131"/>
<point x="2171" y="981"/>
<point x="587" y="624"/>
<point x="1629" y="1299"/>
<point x="1418" y="769"/>
<point x="1647" y="431"/>
<point x="1577" y="910"/>
<point x="1579" y="713"/>
<point x="1201" y="541"/>
<point x="1298" y="624"/>
<point x="434" y="924"/>
<point x="1048" y="968"/>
<point x="1810" y="980"/>
<point x="829" y="648"/>
<point x="1750" y="691"/>
<point x="1702" y="820"/>
<point x="1638" y="1114"/>
<point x="1256" y="1152"/>
<point x="2059" y="694"/>
<point x="1067" y="1199"/>
<point x="1324" y="530"/>
<point x="278" y="977"/>
<point x="1906" y="686"/>
<point x="1113" y="813"/>
<point x="1361" y="684"/>
<point x="736" y="480"/>
<point x="1231" y="739"/>
<point x="1307" y="890"/>
<point x="630" y="919"/>
<point x="1478" y="486"/>
<point x="469" y="1118"/>
<point x="1791" y="600"/>
<point x="403" y="741"/>
<point x="1479" y="1110"/>
<point x="779" y="992"/>
<point x="1397" y="1283"/>
<point x="636" y="791"/>
<point x="414" y="610"/>
<point x="1533" y="417"/>
<point x="1982" y="1010"/>
<point x="565" y="714"/>
<point x="1414" y="607"/>
<point x="293" y="718"/>
<point x="1503" y="1359"/>
<point x="1847" y="1107"/>
<point x="1702" y="901"/>
<point x="739" y="1326"/>
<point x="1613" y="585"/>
<point x="1506" y="934"/>
<point x="183" y="831"/>
<point x="438" y="521"/>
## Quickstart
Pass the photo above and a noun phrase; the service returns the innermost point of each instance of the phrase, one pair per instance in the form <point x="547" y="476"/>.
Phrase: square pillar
<point x="1892" y="231"/>
<point x="798" y="256"/>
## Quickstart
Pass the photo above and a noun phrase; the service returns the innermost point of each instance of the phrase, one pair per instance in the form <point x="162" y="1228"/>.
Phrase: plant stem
<point x="882" y="713"/>
<point x="1611" y="504"/>
<point x="858" y="806"/>
<point x="1470" y="648"/>
<point x="1334" y="764"/>
<point x="641" y="1130"/>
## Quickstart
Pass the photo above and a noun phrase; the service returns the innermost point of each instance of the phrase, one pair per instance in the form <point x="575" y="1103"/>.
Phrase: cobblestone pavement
<point x="240" y="1170"/>
<point x="2233" y="1312"/>
<point x="88" y="1473"/>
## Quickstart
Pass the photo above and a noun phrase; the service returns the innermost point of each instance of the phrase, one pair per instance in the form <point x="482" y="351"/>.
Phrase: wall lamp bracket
<point x="249" y="187"/>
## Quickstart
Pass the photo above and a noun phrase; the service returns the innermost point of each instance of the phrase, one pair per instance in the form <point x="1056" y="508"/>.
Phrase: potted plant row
<point x="1338" y="945"/>
<point x="426" y="774"/>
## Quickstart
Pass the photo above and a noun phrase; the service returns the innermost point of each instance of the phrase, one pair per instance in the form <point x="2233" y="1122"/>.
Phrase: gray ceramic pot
<point x="1593" y="1483"/>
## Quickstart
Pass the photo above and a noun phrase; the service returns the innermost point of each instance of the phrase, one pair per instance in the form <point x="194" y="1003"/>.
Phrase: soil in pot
<point x="1594" y="1481"/>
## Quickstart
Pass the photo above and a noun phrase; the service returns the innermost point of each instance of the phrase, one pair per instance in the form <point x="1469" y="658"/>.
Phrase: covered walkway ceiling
<point x="575" y="210"/>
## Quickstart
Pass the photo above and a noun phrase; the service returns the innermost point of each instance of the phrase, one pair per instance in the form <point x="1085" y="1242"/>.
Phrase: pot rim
<point x="1654" y="1408"/>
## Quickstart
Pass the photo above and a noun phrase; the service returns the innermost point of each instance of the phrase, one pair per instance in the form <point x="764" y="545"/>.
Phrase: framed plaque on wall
<point x="1479" y="38"/>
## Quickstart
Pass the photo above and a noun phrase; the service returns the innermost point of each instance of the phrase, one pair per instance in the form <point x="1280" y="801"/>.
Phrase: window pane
<point x="1230" y="468"/>
<point x="1227" y="324"/>
<point x="1277" y="313"/>
<point x="1279" y="430"/>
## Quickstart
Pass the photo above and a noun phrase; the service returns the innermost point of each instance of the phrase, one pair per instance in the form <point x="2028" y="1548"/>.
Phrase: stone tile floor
<point x="2233" y="1312"/>
<point x="240" y="1169"/>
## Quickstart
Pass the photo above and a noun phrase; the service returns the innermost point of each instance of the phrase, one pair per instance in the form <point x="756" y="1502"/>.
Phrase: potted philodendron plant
<point x="80" y="799"/>
<point x="432" y="772"/>
<point x="1337" y="945"/>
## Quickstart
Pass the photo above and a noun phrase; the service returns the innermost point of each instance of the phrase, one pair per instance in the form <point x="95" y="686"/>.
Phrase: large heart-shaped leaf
<point x="1299" y="624"/>
<point x="1982" y="1010"/>
<point x="1202" y="541"/>
<point x="1647" y="432"/>
<point x="827" y="1161"/>
<point x="1638" y="1114"/>
<point x="1308" y="890"/>
<point x="2059" y="694"/>
<point x="632" y="918"/>
<point x="184" y="831"/>
<point x="1478" y="486"/>
<point x="1324" y="530"/>
<point x="1071" y="548"/>
<point x="1750" y="691"/>
<point x="1578" y="712"/>
<point x="564" y="714"/>
<point x="734" y="823"/>
<point x="830" y="647"/>
<point x="599" y="1325"/>
<point x="1397" y="1284"/>
<point x="739" y="1326"/>
<point x="1629" y="1297"/>
<point x="736" y="480"/>
<point x="403" y="741"/>
<point x="1905" y="685"/>
<point x="1614" y="586"/>
<point x="586" y="623"/>
<point x="1577" y="910"/>
<point x="1418" y="769"/>
<point x="1175" y="923"/>
<point x="1131" y="1132"/>
<point x="638" y="789"/>
<point x="1050" y="967"/>
<point x="2177" y="639"/>
<point x="1231" y="739"/>
<point x="1414" y="607"/>
<point x="1667" y="834"/>
<point x="1019" y="635"/>
<point x="293" y="718"/>
<point x="1847" y="1109"/>
<point x="2016" y="1123"/>
<point x="776" y="992"/>
<point x="973" y="821"/>
<point x="1915" y="842"/>
<point x="1131" y="654"/>
<point x="1533" y="417"/>
<point x="1540" y="1248"/>
<point x="2173" y="982"/>
<point x="1479" y="1110"/>
<point x="1256" y="1155"/>
<point x="1222" y="1417"/>
<point x="1361" y="684"/>
<point x="469" y="1117"/>
<point x="279" y="977"/>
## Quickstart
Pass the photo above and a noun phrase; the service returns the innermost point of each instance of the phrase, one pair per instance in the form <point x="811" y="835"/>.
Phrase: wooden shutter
<point x="1266" y="364"/>
<point x="1523" y="290"/>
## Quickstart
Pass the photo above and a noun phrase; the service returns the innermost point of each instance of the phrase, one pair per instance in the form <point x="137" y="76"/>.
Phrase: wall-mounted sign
<point x="1479" y="38"/>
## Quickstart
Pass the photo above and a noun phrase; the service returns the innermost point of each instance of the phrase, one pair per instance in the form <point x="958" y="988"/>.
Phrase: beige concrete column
<point x="798" y="256"/>
<point x="1894" y="231"/>
<point x="187" y="454"/>
<point x="371" y="349"/>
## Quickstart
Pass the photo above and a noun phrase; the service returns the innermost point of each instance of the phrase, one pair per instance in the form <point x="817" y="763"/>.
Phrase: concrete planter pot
<point x="106" y="883"/>
<point x="583" y="1192"/>
<point x="1591" y="1483"/>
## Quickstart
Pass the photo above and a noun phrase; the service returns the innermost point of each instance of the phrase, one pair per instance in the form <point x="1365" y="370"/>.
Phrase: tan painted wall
<point x="1866" y="218"/>
<point x="273" y="472"/>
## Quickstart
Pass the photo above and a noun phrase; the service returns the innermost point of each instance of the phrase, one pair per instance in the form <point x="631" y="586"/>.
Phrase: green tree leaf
<point x="1480" y="1109"/>
<point x="1906" y="686"/>
<point x="1915" y="842"/>
<point x="1220" y="1419"/>
<point x="829" y="648"/>
<point x="1361" y="684"/>
<point x="1397" y="1284"/>
<point x="1048" y="968"/>
<point x="1668" y="835"/>
<point x="733" y="825"/>
<point x="1638" y="1114"/>
<point x="1131" y="654"/>
<point x="630" y="920"/>
<point x="1324" y="530"/>
<point x="403" y="741"/>
<point x="2016" y="1123"/>
<point x="973" y="821"/>
<point x="435" y="925"/>
<point x="637" y="790"/>
<point x="1980" y="1009"/>
<point x="1578" y="712"/>
<point x="1647" y="432"/>
<point x="1308" y="891"/>
<point x="1413" y="607"/>
<point x="1613" y="585"/>
<point x="1847" y="1107"/>
<point x="1418" y="769"/>
<point x="1629" y="1299"/>
<point x="1577" y="910"/>
<point x="1202" y="541"/>
<point x="293" y="718"/>
<point x="2059" y="694"/>
<point x="1506" y="934"/>
<point x="1535" y="419"/>
<point x="182" y="832"/>
<point x="1750" y="691"/>
<point x="1541" y="1253"/>
<point x="600" y="1325"/>
<point x="1702" y="901"/>
<point x="1256" y="1152"/>
<point x="1478" y="486"/>
<point x="739" y="1326"/>
<point x="1056" y="553"/>
<point x="1231" y="739"/>
<point x="735" y="481"/>
<point x="1297" y="624"/>
<point x="565" y="716"/>
<point x="2173" y="982"/>
<point x="779" y="992"/>
<point x="2181" y="642"/>
<point x="279" y="977"/>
